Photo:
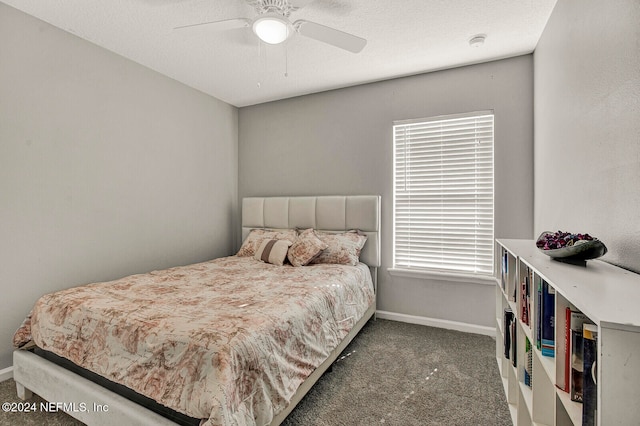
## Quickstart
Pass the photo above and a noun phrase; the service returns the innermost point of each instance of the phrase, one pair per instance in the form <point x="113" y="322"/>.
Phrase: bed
<point x="215" y="348"/>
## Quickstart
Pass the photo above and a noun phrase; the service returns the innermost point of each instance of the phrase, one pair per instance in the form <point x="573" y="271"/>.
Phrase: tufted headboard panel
<point x="324" y="213"/>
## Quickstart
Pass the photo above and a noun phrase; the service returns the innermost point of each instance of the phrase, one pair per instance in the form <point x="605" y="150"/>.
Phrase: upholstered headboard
<point x="324" y="213"/>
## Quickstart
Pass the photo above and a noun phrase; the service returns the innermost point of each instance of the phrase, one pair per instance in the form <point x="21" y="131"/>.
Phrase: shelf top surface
<point x="607" y="294"/>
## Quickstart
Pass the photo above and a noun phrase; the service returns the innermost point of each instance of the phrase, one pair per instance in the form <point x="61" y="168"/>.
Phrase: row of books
<point x="579" y="358"/>
<point x="543" y="326"/>
<point x="510" y="346"/>
<point x="575" y="351"/>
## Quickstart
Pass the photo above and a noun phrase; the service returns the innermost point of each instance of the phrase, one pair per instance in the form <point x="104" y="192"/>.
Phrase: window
<point x="443" y="194"/>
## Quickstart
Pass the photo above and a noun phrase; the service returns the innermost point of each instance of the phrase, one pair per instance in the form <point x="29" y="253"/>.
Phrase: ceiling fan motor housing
<point x="282" y="7"/>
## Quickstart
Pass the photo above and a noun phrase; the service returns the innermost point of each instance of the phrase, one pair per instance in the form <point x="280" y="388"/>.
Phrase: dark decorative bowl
<point x="580" y="251"/>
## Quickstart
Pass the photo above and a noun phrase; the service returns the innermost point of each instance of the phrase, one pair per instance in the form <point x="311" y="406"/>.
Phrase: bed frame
<point x="97" y="406"/>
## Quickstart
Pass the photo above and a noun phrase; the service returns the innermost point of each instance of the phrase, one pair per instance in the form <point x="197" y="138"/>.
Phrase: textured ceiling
<point x="404" y="37"/>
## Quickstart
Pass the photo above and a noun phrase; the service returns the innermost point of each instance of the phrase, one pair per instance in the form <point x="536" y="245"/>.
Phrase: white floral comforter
<point x="229" y="340"/>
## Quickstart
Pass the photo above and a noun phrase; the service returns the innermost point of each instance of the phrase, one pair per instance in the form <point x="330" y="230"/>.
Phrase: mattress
<point x="228" y="341"/>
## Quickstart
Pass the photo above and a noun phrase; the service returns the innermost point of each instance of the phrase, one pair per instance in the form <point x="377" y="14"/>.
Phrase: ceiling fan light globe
<point x="271" y="29"/>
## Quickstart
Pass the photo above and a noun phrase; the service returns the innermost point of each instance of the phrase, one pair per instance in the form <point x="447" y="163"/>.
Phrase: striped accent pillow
<point x="273" y="251"/>
<point x="257" y="236"/>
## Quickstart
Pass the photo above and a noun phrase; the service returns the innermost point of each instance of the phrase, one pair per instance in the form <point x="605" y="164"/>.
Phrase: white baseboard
<point x="439" y="323"/>
<point x="6" y="374"/>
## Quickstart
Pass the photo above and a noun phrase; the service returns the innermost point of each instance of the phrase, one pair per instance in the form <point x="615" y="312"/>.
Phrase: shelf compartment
<point x="570" y="409"/>
<point x="524" y="406"/>
<point x="543" y="391"/>
<point x="547" y="363"/>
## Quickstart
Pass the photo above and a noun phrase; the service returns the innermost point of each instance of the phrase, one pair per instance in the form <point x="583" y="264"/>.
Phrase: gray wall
<point x="587" y="125"/>
<point x="340" y="142"/>
<point x="106" y="168"/>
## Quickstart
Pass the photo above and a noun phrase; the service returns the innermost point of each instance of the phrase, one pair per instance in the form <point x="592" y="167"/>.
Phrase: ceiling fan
<point x="273" y="26"/>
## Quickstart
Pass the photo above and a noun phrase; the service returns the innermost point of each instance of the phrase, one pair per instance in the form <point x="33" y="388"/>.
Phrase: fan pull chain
<point x="259" y="58"/>
<point x="286" y="60"/>
<point x="264" y="59"/>
<point x="261" y="72"/>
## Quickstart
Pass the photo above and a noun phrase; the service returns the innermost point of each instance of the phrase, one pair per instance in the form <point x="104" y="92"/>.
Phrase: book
<point x="548" y="319"/>
<point x="529" y="282"/>
<point x="577" y="366"/>
<point x="508" y="320"/>
<point x="514" y="343"/>
<point x="524" y="317"/>
<point x="539" y="316"/>
<point x="528" y="367"/>
<point x="589" y="376"/>
<point x="525" y="301"/>
<point x="563" y="358"/>
<point x="576" y="321"/>
<point x="505" y="267"/>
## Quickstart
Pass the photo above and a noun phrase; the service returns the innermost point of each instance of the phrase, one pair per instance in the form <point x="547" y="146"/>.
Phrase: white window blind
<point x="443" y="194"/>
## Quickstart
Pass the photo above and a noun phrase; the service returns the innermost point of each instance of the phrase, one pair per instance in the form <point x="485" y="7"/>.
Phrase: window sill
<point x="443" y="276"/>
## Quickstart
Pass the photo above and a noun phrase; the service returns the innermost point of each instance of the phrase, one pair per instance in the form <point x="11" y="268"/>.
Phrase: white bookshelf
<point x="610" y="297"/>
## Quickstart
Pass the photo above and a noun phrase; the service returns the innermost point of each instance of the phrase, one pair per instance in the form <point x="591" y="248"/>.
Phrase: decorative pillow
<point x="306" y="248"/>
<point x="343" y="249"/>
<point x="273" y="251"/>
<point x="257" y="236"/>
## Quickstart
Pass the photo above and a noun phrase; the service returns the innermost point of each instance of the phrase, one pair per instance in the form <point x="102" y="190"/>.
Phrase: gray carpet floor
<point x="393" y="373"/>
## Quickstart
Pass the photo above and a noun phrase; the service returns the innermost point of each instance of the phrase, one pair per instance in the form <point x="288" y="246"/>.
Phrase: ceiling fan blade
<point x="299" y="3"/>
<point x="330" y="36"/>
<point x="227" y="24"/>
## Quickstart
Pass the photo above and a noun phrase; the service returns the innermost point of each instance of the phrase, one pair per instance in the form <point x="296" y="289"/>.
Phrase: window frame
<point x="446" y="274"/>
